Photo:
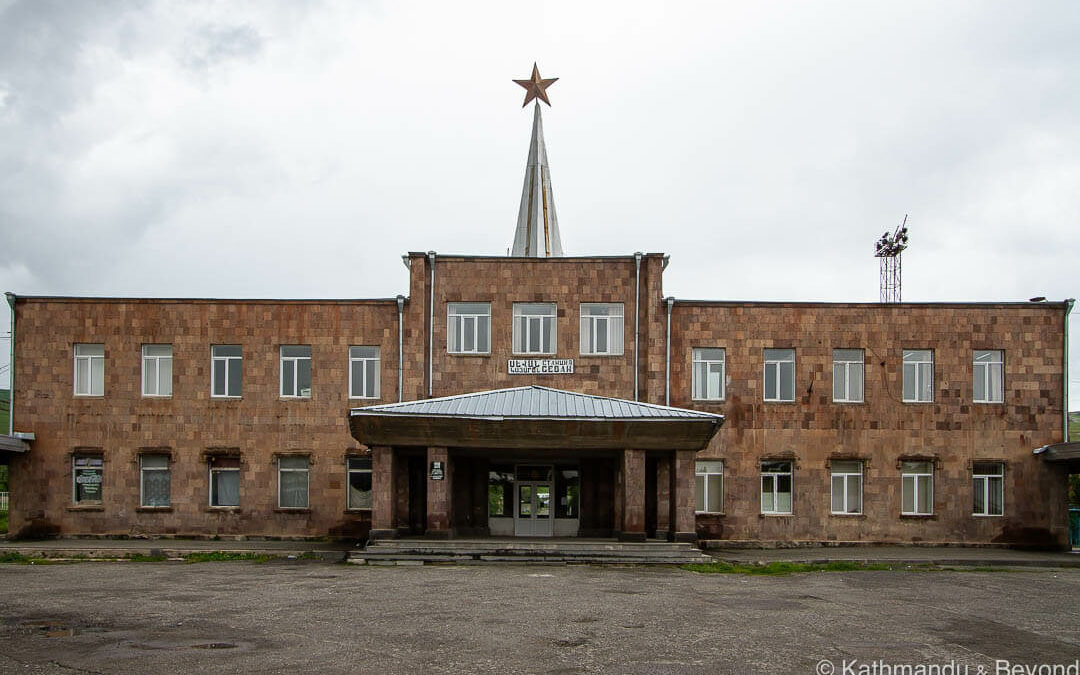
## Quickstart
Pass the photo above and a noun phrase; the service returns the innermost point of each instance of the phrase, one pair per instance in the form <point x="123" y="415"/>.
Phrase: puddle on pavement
<point x="215" y="645"/>
<point x="52" y="629"/>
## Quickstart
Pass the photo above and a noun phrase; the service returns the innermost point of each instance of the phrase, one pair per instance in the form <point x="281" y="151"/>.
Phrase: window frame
<point x="695" y="361"/>
<point x="845" y="476"/>
<point x="588" y="323"/>
<point x="847" y="364"/>
<point x="215" y="471"/>
<point x="779" y="375"/>
<point x="293" y="363"/>
<point x="905" y="473"/>
<point x="89" y="359"/>
<point x="702" y="469"/>
<point x="349" y="471"/>
<point x="226" y="359"/>
<point x="918" y="377"/>
<point x="524" y="341"/>
<point x="367" y="361"/>
<point x="775" y="476"/>
<point x="986" y="478"/>
<point x="156" y="360"/>
<point x="462" y="317"/>
<point x="99" y="468"/>
<point x="985" y="366"/>
<point x="306" y="470"/>
<point x="142" y="479"/>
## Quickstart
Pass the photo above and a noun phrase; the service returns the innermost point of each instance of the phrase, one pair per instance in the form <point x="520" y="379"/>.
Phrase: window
<point x="602" y="328"/>
<point x="779" y="374"/>
<point x="846" y="486"/>
<point x="710" y="487"/>
<point x="225" y="370"/>
<point x="468" y="328"/>
<point x="86" y="478"/>
<point x="534" y="328"/>
<point x="154" y="480"/>
<point x="776" y="487"/>
<point x="708" y="374"/>
<point x="292" y="482"/>
<point x="296" y="371"/>
<point x="917" y="480"/>
<point x="224" y="481"/>
<point x="157" y="370"/>
<point x="501" y="491"/>
<point x="364" y="372"/>
<point x="359" y="469"/>
<point x="847" y="372"/>
<point x="89" y="370"/>
<point x="989" y="484"/>
<point x="989" y="369"/>
<point x="918" y="376"/>
<point x="567" y="491"/>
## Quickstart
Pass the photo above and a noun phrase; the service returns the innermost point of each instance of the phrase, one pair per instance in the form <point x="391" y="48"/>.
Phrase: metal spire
<point x="537" y="233"/>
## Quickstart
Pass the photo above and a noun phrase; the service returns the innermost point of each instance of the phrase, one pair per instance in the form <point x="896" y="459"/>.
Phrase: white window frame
<point x="905" y="475"/>
<point x="153" y="361"/>
<point x="214" y="472"/>
<point x="528" y="328"/>
<point x="699" y="363"/>
<point x="775" y="479"/>
<point x="985" y="487"/>
<point x="306" y="470"/>
<point x="984" y="370"/>
<point x="705" y="469"/>
<point x="368" y="363"/>
<point x="919" y="374"/>
<point x="614" y="327"/>
<point x="349" y="471"/>
<point x="845" y="477"/>
<point x="850" y="367"/>
<point x="214" y="358"/>
<point x="292" y="363"/>
<point x="143" y="469"/>
<point x="99" y="467"/>
<point x="779" y="364"/>
<point x="89" y="359"/>
<point x="456" y="319"/>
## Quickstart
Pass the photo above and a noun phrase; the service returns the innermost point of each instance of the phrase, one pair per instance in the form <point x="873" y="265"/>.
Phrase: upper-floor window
<point x="847" y="370"/>
<point x="846" y="486"/>
<point x="468" y="328"/>
<point x="293" y="482"/>
<point x="364" y="372"/>
<point x="708" y="373"/>
<point x="86" y="478"/>
<point x="155" y="480"/>
<point x="225" y="362"/>
<point x="157" y="370"/>
<point x="710" y="486"/>
<point x="918" y="375"/>
<point x="776" y="487"/>
<point x="988" y="480"/>
<point x="89" y="370"/>
<point x="296" y="371"/>
<point x="989" y="369"/>
<point x="534" y="328"/>
<point x="917" y="488"/>
<point x="602" y="328"/>
<point x="779" y="374"/>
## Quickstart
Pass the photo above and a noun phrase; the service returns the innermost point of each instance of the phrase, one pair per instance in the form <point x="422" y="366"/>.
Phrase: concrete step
<point x="420" y="551"/>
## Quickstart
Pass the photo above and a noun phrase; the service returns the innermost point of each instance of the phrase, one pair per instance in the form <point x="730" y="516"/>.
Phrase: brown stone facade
<point x="812" y="431"/>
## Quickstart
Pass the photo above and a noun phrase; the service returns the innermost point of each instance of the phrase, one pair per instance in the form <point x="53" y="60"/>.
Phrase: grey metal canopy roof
<point x="535" y="402"/>
<point x="1060" y="452"/>
<point x="13" y="444"/>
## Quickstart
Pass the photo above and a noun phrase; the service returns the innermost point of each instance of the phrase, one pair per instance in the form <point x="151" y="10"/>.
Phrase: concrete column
<point x="438" y="495"/>
<point x="683" y="497"/>
<point x="663" y="498"/>
<point x="633" y="496"/>
<point x="382" y="493"/>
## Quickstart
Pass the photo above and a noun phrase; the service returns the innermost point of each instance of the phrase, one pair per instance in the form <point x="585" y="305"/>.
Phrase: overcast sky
<point x="288" y="149"/>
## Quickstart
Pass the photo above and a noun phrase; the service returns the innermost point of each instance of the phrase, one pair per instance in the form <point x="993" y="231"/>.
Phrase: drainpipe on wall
<point x="400" y="343"/>
<point x="431" y="329"/>
<point x="11" y="368"/>
<point x="667" y="358"/>
<point x="637" y="308"/>
<point x="1068" y="310"/>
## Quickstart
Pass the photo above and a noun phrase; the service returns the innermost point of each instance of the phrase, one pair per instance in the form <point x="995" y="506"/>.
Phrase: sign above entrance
<point x="540" y="366"/>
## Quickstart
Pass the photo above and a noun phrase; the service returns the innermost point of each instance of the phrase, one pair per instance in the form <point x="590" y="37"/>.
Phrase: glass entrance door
<point x="532" y="514"/>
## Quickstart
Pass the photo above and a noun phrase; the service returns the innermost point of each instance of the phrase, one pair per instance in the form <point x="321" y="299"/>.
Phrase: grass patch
<point x="3" y="522"/>
<point x="13" y="557"/>
<point x="142" y="557"/>
<point x="219" y="556"/>
<point x="779" y="569"/>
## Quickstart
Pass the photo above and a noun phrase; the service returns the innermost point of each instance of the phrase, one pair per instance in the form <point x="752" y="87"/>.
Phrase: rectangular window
<point x="296" y="371"/>
<point x="534" y="328"/>
<point x="567" y="491"/>
<point x="359" y="483"/>
<point x="779" y="374"/>
<point x="224" y="481"/>
<point x="155" y="480"/>
<point x="847" y="370"/>
<point x="989" y="484"/>
<point x="501" y="491"/>
<point x="89" y="370"/>
<point x="917" y="483"/>
<point x="708" y="374"/>
<point x="86" y="478"/>
<point x="776" y="487"/>
<point x="157" y="370"/>
<point x="601" y="328"/>
<point x="293" y="482"/>
<point x="225" y="367"/>
<point x="468" y="328"/>
<point x="846" y="487"/>
<point x="710" y="486"/>
<point x="918" y="376"/>
<point x="989" y="367"/>
<point x="364" y="379"/>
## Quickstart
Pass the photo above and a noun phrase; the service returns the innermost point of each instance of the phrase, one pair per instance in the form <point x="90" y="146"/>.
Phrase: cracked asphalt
<point x="300" y="616"/>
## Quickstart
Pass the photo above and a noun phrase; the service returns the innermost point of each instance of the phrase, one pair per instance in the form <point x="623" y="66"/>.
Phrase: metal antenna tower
<point x="888" y="249"/>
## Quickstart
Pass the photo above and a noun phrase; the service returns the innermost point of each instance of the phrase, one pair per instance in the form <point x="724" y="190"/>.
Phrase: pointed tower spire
<point x="537" y="233"/>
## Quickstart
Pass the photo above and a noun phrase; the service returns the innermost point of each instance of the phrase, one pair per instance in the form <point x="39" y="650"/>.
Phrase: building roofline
<point x="531" y="259"/>
<point x="251" y="301"/>
<point x="876" y="305"/>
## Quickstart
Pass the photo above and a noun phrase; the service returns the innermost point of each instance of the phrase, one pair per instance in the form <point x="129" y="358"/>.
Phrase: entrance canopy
<point x="533" y="417"/>
<point x="1067" y="454"/>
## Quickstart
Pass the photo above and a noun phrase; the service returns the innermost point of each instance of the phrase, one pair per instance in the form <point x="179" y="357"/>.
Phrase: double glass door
<point x="532" y="492"/>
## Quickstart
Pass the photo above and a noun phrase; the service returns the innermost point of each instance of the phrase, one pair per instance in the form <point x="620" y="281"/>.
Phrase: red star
<point x="535" y="87"/>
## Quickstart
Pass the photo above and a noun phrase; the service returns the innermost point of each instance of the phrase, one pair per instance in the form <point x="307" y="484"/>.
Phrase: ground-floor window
<point x="224" y="481"/>
<point x="917" y="483"/>
<point x="846" y="486"/>
<point x="359" y="483"/>
<point x="87" y="475"/>
<point x="155" y="480"/>
<point x="710" y="486"/>
<point x="567" y="491"/>
<point x="776" y="487"/>
<point x="293" y="482"/>
<point x="501" y="491"/>
<point x="989" y="487"/>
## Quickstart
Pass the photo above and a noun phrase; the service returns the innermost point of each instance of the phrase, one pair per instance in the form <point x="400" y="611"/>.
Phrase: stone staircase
<point x="526" y="551"/>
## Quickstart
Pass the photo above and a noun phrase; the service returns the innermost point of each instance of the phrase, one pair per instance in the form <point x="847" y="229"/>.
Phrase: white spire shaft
<point x="537" y="233"/>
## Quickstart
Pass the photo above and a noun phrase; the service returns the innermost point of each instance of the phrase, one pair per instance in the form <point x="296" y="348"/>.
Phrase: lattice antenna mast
<point x="888" y="249"/>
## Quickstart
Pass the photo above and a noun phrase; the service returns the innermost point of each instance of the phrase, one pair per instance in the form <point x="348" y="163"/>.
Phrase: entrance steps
<point x="531" y="551"/>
